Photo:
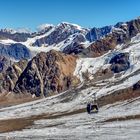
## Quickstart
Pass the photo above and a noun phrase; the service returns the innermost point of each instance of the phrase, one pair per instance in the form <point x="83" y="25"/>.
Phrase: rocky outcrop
<point x="15" y="51"/>
<point x="47" y="74"/>
<point x="121" y="33"/>
<point x="120" y="62"/>
<point x="97" y="33"/>
<point x="100" y="47"/>
<point x="136" y="86"/>
<point x="75" y="46"/>
<point x="9" y="77"/>
<point x="4" y="63"/>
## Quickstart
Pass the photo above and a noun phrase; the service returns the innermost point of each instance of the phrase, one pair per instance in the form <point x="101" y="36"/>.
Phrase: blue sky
<point x="87" y="13"/>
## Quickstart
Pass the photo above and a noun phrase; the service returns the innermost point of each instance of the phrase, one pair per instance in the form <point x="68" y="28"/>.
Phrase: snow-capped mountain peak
<point x="43" y="27"/>
<point x="70" y="25"/>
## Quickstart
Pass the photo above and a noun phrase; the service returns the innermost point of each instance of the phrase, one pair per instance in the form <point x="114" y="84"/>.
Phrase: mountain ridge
<point x="70" y="39"/>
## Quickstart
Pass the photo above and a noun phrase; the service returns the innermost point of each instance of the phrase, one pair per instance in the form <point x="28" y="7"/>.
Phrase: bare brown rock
<point x="47" y="74"/>
<point x="4" y="63"/>
<point x="9" y="77"/>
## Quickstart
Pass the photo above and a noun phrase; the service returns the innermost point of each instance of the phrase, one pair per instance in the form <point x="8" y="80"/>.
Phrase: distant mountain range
<point x="57" y="58"/>
<point x="50" y="79"/>
<point x="67" y="37"/>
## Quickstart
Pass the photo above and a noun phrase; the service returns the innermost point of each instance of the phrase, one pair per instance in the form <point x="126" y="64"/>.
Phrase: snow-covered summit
<point x="67" y="37"/>
<point x="67" y="24"/>
<point x="43" y="27"/>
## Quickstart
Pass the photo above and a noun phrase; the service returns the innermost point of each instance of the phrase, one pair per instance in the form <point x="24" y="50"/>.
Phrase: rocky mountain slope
<point x="4" y="63"/>
<point x="47" y="73"/>
<point x="75" y="65"/>
<point x="64" y="37"/>
<point x="15" y="51"/>
<point x="10" y="75"/>
<point x="120" y="35"/>
<point x="54" y="72"/>
<point x="70" y="38"/>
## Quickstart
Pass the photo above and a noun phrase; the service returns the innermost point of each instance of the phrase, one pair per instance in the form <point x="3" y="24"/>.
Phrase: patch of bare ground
<point x="14" y="124"/>
<point x="121" y="95"/>
<point x="22" y="123"/>
<point x="11" y="99"/>
<point x="123" y="118"/>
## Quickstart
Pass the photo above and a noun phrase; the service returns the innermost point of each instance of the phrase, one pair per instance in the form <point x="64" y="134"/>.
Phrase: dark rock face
<point x="4" y="63"/>
<point x="47" y="74"/>
<point x="120" y="62"/>
<point x="99" y="47"/>
<point x="16" y="51"/>
<point x="136" y="86"/>
<point x="97" y="33"/>
<point x="133" y="27"/>
<point x="60" y="33"/>
<point x="9" y="77"/>
<point x="75" y="47"/>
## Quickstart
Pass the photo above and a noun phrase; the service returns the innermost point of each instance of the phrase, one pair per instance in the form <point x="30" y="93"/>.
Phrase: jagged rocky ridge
<point x="71" y="38"/>
<point x="53" y="72"/>
<point x="10" y="75"/>
<point x="47" y="74"/>
<point x="4" y="63"/>
<point x="120" y="35"/>
<point x="60" y="33"/>
<point x="66" y="37"/>
<point x="15" y="51"/>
